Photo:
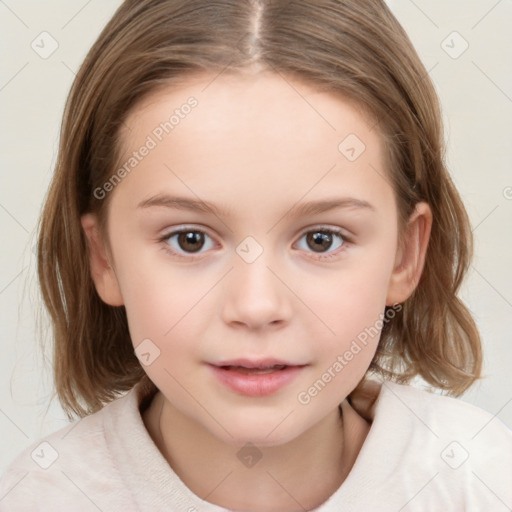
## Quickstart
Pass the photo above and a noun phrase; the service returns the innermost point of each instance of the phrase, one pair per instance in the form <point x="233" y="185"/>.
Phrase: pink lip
<point x="255" y="384"/>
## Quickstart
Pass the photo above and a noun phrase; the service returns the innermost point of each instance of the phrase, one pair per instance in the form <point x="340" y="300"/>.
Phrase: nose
<point x="255" y="296"/>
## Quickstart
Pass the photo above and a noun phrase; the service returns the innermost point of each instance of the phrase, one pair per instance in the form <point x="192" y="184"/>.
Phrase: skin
<point x="255" y="146"/>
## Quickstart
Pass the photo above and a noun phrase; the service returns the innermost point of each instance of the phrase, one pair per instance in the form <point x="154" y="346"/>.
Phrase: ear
<point x="102" y="273"/>
<point x="410" y="257"/>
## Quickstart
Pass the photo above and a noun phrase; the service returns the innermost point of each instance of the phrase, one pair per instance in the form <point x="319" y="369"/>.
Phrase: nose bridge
<point x="255" y="296"/>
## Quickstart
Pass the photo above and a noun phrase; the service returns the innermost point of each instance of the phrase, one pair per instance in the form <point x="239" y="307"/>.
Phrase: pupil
<point x="188" y="241"/>
<point x="320" y="240"/>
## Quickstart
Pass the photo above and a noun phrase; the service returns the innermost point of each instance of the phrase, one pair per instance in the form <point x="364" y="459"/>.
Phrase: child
<point x="300" y="146"/>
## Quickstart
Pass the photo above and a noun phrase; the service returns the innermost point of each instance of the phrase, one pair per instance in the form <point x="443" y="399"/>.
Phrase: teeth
<point x="256" y="371"/>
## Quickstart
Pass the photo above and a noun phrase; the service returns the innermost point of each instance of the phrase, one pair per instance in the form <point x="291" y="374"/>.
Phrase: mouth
<point x="256" y="370"/>
<point x="255" y="366"/>
<point x="256" y="377"/>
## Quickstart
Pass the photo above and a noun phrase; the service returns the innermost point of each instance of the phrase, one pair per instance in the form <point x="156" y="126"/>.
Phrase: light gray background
<point x="476" y="94"/>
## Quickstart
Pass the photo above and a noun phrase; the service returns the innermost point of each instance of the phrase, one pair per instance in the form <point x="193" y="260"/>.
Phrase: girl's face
<point x="287" y="253"/>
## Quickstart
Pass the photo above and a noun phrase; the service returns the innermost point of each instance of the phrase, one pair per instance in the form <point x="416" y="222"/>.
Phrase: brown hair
<point x="355" y="48"/>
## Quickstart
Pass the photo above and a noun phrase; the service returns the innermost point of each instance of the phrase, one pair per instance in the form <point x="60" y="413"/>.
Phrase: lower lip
<point x="262" y="384"/>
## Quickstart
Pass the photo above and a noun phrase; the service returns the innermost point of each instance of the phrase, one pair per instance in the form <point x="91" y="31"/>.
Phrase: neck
<point x="321" y="457"/>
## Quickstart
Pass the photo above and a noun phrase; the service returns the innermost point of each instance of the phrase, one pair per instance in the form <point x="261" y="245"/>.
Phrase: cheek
<point x="158" y="310"/>
<point x="351" y="299"/>
<point x="352" y="313"/>
<point x="159" y="298"/>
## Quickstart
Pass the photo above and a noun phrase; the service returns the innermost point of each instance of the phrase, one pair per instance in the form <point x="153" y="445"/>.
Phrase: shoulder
<point x="62" y="466"/>
<point x="445" y="415"/>
<point x="461" y="450"/>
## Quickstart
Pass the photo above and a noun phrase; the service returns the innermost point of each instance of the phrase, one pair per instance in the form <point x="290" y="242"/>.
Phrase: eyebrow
<point x="302" y="209"/>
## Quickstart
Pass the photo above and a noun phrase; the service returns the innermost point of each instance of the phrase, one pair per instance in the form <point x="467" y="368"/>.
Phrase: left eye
<point x="322" y="240"/>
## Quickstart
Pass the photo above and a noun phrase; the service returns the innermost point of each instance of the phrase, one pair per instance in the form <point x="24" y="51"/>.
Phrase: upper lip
<point x="255" y="363"/>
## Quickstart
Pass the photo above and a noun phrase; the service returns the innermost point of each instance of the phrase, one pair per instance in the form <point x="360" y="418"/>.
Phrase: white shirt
<point x="424" y="452"/>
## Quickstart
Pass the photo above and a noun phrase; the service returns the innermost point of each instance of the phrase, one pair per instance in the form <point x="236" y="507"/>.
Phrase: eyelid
<point x="185" y="227"/>
<point x="328" y="227"/>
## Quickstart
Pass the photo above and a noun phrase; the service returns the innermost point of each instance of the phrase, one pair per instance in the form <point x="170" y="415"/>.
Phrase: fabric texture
<point x="424" y="452"/>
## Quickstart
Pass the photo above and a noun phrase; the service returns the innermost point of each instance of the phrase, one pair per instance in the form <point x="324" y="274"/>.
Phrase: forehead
<point x="254" y="98"/>
<point x="252" y="131"/>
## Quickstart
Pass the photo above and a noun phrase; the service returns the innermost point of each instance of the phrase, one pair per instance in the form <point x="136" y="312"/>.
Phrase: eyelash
<point x="321" y="229"/>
